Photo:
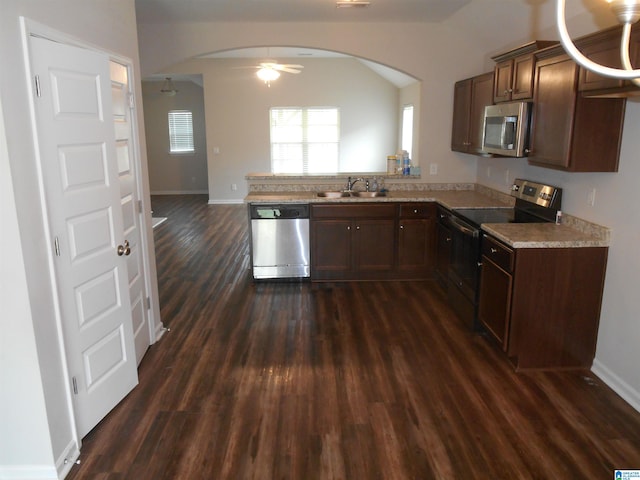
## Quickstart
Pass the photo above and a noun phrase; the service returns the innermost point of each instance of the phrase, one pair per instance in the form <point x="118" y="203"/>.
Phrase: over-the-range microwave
<point x="506" y="129"/>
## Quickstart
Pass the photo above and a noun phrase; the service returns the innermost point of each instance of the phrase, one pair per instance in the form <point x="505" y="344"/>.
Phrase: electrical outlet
<point x="591" y="197"/>
<point x="234" y="187"/>
<point x="433" y="169"/>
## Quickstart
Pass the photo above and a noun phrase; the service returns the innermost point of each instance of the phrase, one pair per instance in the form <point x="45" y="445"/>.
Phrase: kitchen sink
<point x="369" y="194"/>
<point x="333" y="194"/>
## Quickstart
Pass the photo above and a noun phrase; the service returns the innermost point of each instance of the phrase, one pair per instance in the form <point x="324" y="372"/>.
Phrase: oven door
<point x="464" y="269"/>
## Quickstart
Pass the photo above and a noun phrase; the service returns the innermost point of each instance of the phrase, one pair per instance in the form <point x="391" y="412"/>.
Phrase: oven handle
<point x="463" y="228"/>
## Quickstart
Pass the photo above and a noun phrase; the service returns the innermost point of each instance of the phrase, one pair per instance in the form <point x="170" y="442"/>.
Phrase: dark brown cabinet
<point x="352" y="242"/>
<point x="571" y="132"/>
<point x="469" y="99"/>
<point x="513" y="75"/>
<point x="494" y="310"/>
<point x="604" y="48"/>
<point x="416" y="239"/>
<point x="443" y="248"/>
<point x="372" y="241"/>
<point x="542" y="304"/>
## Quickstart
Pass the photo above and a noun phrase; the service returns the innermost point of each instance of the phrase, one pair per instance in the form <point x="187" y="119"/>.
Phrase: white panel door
<point x="78" y="158"/>
<point x="130" y="203"/>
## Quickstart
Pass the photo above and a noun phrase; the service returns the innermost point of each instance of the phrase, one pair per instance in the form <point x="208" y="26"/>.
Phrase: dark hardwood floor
<point x="372" y="380"/>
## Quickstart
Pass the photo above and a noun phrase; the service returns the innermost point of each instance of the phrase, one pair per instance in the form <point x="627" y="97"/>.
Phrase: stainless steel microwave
<point x="506" y="129"/>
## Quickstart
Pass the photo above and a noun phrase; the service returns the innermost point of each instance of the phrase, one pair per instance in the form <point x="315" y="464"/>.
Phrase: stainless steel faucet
<point x="350" y="183"/>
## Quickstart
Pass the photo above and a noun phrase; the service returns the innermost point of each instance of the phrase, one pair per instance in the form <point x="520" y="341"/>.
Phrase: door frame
<point x="31" y="28"/>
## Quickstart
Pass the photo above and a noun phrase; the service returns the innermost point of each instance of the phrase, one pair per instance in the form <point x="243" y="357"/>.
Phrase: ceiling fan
<point x="269" y="71"/>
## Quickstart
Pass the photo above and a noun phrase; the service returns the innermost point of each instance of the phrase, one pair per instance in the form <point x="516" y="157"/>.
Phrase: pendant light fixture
<point x="628" y="13"/>
<point x="168" y="88"/>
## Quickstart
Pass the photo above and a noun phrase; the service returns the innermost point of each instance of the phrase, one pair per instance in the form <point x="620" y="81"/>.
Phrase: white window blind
<point x="181" y="132"/>
<point x="304" y="140"/>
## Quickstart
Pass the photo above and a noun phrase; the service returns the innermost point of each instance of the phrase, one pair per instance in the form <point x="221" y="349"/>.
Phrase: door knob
<point x="124" y="249"/>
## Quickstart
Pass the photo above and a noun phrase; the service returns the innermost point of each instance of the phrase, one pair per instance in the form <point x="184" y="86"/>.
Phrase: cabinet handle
<point x="448" y="239"/>
<point x="358" y="227"/>
<point x="493" y="250"/>
<point x="415" y="210"/>
<point x="348" y="227"/>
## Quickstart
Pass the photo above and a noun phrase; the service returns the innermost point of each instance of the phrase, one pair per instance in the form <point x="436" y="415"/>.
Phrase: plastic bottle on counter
<point x="391" y="164"/>
<point x="406" y="163"/>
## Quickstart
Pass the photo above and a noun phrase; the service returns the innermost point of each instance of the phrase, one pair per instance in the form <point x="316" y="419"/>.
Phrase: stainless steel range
<point x="534" y="203"/>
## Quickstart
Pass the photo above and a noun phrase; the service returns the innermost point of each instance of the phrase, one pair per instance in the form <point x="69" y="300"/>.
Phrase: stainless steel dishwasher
<point x="280" y="241"/>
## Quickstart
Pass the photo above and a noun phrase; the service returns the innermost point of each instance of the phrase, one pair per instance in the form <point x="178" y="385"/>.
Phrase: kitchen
<point x="468" y="46"/>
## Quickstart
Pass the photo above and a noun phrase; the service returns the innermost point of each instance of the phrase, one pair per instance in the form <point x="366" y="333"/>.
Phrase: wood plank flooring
<point x="374" y="380"/>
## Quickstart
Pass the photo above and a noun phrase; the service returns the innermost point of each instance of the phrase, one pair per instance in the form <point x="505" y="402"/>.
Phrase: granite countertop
<point x="573" y="233"/>
<point x="543" y="235"/>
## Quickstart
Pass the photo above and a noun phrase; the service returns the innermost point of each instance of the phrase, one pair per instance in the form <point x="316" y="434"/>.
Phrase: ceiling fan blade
<point x="288" y="70"/>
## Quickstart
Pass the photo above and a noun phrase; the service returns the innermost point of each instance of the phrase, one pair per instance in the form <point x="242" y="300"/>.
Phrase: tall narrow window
<point x="407" y="129"/>
<point x="180" y="132"/>
<point x="304" y="140"/>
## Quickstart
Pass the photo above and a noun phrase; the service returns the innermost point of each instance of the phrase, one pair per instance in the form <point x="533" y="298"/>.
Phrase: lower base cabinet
<point x="372" y="241"/>
<point x="542" y="305"/>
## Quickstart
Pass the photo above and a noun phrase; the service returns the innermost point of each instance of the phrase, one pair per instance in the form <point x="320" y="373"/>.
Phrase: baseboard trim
<point x="67" y="459"/>
<point x="214" y="201"/>
<point x="179" y="192"/>
<point x="628" y="393"/>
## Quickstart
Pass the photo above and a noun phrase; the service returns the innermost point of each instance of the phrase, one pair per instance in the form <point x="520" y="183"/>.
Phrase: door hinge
<point x="38" y="91"/>
<point x="132" y="103"/>
<point x="75" y="385"/>
<point x="148" y="303"/>
<point x="56" y="246"/>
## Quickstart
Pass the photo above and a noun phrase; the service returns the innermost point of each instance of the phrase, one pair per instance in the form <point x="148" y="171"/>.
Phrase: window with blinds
<point x="304" y="140"/>
<point x="181" y="132"/>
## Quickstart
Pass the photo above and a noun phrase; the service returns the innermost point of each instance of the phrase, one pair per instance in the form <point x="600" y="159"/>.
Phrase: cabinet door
<point x="494" y="310"/>
<point x="553" y="111"/>
<point x="443" y="252"/>
<point x="373" y="245"/>
<point x="482" y="95"/>
<point x="604" y="48"/>
<point x="331" y="248"/>
<point x="461" y="119"/>
<point x="502" y="81"/>
<point x="522" y="84"/>
<point x="415" y="244"/>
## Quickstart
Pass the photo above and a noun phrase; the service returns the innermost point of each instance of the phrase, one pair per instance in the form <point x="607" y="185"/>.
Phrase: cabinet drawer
<point x="343" y="210"/>
<point x="499" y="253"/>
<point x="417" y="210"/>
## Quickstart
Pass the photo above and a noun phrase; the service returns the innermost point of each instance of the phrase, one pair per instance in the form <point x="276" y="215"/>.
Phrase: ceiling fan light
<point x="267" y="74"/>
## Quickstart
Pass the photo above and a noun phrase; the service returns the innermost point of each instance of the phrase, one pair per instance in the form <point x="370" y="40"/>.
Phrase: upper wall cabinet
<point x="604" y="48"/>
<point x="469" y="99"/>
<point x="569" y="131"/>
<point x="513" y="76"/>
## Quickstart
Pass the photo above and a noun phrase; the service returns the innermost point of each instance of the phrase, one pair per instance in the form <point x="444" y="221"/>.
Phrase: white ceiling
<point x="165" y="11"/>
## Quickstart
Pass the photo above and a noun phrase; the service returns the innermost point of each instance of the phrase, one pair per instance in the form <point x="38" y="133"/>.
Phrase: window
<point x="304" y="140"/>
<point x="407" y="128"/>
<point x="181" y="131"/>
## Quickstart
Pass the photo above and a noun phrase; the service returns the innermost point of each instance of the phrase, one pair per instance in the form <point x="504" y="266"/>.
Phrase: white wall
<point x="434" y="54"/>
<point x="39" y="431"/>
<point x="237" y="107"/>
<point x="174" y="174"/>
